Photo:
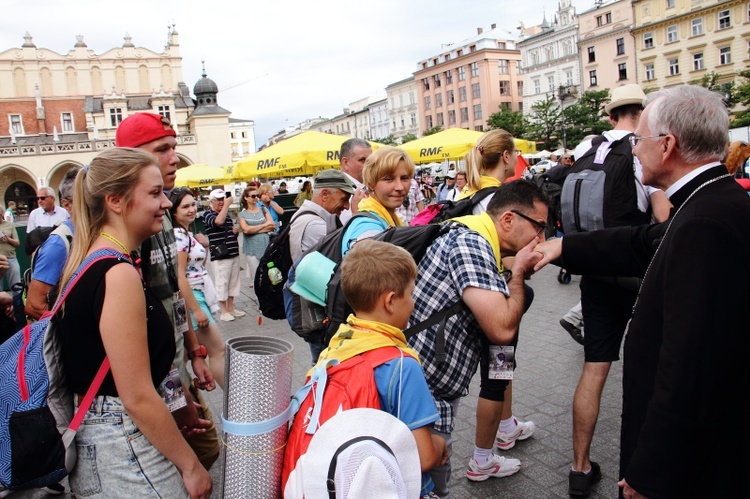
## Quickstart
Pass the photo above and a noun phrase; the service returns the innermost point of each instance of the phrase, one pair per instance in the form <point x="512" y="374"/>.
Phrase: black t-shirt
<point x="82" y="347"/>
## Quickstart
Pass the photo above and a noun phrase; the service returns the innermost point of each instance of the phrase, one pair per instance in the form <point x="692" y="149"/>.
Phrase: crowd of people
<point x="151" y="310"/>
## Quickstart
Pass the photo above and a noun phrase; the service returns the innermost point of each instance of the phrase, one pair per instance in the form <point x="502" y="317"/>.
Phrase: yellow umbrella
<point x="302" y="154"/>
<point x="451" y="144"/>
<point x="201" y="175"/>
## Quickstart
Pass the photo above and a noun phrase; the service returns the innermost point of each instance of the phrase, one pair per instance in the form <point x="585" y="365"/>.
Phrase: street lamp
<point x="564" y="92"/>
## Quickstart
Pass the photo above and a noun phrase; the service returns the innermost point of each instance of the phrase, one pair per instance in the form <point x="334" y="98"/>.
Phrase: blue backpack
<point x="37" y="420"/>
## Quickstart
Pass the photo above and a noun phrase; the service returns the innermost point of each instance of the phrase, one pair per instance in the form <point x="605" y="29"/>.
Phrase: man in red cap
<point x="154" y="133"/>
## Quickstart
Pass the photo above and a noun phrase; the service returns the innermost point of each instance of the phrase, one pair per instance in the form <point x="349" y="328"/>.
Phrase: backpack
<point x="310" y="320"/>
<point x="446" y="209"/>
<point x="552" y="191"/>
<point x="65" y="233"/>
<point x="331" y="389"/>
<point x="36" y="237"/>
<point x="271" y="296"/>
<point x="37" y="419"/>
<point x="600" y="191"/>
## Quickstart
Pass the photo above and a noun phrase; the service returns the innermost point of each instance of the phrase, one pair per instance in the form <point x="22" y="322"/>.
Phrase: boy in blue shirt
<point x="377" y="279"/>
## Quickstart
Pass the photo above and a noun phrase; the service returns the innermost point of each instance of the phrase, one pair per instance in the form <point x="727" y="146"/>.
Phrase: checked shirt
<point x="455" y="261"/>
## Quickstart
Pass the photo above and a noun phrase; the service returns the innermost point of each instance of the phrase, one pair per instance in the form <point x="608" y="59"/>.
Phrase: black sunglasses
<point x="254" y="196"/>
<point x="42" y="198"/>
<point x="542" y="227"/>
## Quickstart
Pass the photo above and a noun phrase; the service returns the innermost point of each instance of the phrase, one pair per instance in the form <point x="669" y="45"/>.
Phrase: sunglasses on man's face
<point x="41" y="198"/>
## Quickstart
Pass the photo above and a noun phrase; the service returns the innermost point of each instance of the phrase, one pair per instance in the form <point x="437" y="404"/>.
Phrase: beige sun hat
<point x="624" y="95"/>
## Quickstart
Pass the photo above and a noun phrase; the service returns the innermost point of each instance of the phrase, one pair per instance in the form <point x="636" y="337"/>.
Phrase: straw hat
<point x="362" y="452"/>
<point x="624" y="95"/>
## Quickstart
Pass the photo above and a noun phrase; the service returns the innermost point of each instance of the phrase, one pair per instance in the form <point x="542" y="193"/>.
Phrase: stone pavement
<point x="549" y="366"/>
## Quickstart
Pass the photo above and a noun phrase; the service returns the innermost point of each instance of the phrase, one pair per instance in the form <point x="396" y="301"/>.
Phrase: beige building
<point x="551" y="66"/>
<point x="606" y="47"/>
<point x="403" y="111"/>
<point x="462" y="85"/>
<point x="241" y="138"/>
<point x="57" y="111"/>
<point x="680" y="41"/>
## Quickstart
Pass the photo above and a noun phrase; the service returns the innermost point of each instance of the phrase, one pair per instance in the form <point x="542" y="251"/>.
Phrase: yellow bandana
<point x="485" y="181"/>
<point x="358" y="336"/>
<point x="485" y="226"/>
<point x="373" y="205"/>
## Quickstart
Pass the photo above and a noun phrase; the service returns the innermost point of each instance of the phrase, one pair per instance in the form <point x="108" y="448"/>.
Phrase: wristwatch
<point x="198" y="352"/>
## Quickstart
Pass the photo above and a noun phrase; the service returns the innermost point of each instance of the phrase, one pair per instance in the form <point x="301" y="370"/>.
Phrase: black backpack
<point x="310" y="320"/>
<point x="271" y="296"/>
<point x="600" y="191"/>
<point x="552" y="191"/>
<point x="446" y="209"/>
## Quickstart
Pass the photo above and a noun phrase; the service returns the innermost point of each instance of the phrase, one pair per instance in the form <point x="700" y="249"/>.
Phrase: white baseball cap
<point x="216" y="194"/>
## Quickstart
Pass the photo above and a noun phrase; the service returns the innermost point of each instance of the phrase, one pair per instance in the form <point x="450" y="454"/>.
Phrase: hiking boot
<point x="580" y="483"/>
<point x="524" y="429"/>
<point x="496" y="467"/>
<point x="574" y="331"/>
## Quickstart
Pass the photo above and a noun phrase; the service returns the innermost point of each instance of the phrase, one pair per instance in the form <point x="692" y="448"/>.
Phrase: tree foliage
<point x="544" y="126"/>
<point x="432" y="131"/>
<point x="388" y="141"/>
<point x="408" y="138"/>
<point x="742" y="96"/>
<point x="586" y="117"/>
<point x="512" y="122"/>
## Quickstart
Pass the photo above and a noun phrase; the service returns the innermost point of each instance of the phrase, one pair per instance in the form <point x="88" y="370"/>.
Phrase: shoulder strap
<point x="482" y="193"/>
<point x="437" y="318"/>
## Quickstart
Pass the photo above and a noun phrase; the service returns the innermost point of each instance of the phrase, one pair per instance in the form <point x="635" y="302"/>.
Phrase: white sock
<point x="508" y="425"/>
<point x="585" y="472"/>
<point x="481" y="456"/>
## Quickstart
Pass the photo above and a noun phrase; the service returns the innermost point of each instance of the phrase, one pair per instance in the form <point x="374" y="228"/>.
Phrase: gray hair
<point x="696" y="116"/>
<point x="66" y="186"/>
<point x="347" y="148"/>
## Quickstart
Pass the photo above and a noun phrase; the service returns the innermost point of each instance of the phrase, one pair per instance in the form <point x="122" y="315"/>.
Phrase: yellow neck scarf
<point x="485" y="181"/>
<point x="485" y="226"/>
<point x="373" y="205"/>
<point x="358" y="336"/>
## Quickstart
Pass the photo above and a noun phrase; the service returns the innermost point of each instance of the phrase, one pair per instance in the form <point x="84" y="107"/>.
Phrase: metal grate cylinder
<point x="258" y="386"/>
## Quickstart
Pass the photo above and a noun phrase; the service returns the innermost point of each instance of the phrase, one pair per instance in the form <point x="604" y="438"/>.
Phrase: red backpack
<point x="348" y="385"/>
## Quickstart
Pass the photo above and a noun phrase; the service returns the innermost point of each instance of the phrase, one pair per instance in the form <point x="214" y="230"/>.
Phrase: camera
<point x="227" y="194"/>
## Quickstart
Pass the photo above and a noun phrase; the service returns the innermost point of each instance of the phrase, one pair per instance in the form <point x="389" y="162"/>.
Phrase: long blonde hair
<point x="114" y="172"/>
<point x="486" y="156"/>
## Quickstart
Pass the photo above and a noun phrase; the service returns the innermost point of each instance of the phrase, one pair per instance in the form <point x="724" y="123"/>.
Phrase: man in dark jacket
<point x="685" y="354"/>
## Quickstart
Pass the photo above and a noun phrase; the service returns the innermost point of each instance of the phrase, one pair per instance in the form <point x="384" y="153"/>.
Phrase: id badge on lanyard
<point x="180" y="316"/>
<point x="502" y="362"/>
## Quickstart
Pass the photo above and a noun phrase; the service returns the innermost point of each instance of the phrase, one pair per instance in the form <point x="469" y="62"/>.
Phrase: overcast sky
<point x="277" y="62"/>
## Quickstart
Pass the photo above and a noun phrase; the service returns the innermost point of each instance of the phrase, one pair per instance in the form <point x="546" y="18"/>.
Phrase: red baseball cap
<point x="142" y="128"/>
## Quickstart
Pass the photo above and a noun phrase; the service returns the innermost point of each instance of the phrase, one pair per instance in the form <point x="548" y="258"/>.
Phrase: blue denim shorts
<point x="201" y="299"/>
<point x="116" y="459"/>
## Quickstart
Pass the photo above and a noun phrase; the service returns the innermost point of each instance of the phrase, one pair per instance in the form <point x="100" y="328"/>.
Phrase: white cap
<point x="216" y="194"/>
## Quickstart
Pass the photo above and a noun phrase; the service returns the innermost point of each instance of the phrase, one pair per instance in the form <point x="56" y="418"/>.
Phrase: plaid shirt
<point x="455" y="261"/>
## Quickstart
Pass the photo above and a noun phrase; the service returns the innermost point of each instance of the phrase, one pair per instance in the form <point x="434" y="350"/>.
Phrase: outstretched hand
<point x="526" y="259"/>
<point x="550" y="250"/>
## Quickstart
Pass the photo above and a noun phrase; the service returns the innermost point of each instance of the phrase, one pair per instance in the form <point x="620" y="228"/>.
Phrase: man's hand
<point x="358" y="196"/>
<point x="526" y="259"/>
<point x="204" y="379"/>
<point x="6" y="304"/>
<point x="629" y="492"/>
<point x="202" y="239"/>
<point x="550" y="250"/>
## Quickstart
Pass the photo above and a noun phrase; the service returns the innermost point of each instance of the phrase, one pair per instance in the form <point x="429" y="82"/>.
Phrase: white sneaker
<point x="506" y="441"/>
<point x="496" y="466"/>
<point x="226" y="317"/>
<point x="237" y="313"/>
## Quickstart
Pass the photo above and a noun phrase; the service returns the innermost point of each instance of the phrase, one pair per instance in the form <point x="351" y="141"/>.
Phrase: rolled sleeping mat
<point x="259" y="373"/>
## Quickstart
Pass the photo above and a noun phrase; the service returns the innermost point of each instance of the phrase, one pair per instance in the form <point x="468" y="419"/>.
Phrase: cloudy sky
<point x="277" y="62"/>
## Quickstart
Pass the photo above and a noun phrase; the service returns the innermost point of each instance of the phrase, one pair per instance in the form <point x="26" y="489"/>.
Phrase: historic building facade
<point x="57" y="111"/>
<point x="466" y="82"/>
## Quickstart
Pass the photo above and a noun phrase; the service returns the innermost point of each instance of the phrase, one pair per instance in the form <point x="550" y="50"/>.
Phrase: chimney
<point x="493" y="26"/>
<point x="479" y="31"/>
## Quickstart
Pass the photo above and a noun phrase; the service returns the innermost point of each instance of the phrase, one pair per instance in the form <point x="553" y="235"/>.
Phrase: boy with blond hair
<point x="377" y="279"/>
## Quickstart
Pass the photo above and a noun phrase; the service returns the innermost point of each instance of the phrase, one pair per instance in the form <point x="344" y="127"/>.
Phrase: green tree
<point x="545" y="122"/>
<point x="513" y="122"/>
<point x="586" y="117"/>
<point x="388" y="141"/>
<point x="742" y="96"/>
<point x="408" y="138"/>
<point x="432" y="131"/>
